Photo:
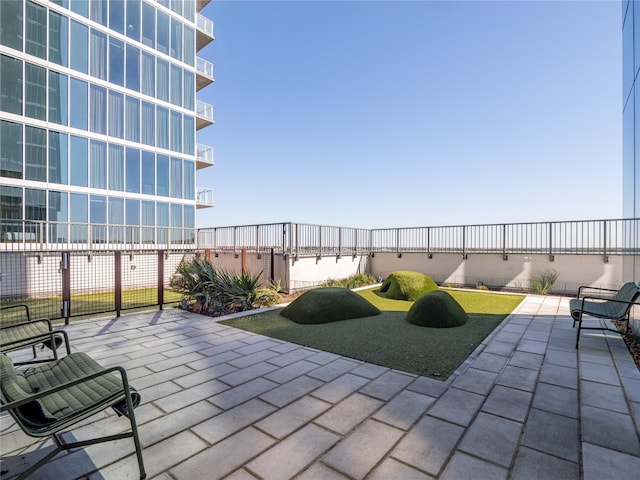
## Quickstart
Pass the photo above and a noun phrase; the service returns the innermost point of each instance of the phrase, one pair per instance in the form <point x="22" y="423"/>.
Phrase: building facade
<point x="631" y="126"/>
<point x="98" y="121"/>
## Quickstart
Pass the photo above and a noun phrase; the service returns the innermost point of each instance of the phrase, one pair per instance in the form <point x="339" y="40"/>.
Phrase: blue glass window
<point x="116" y="114"/>
<point x="176" y="223"/>
<point x="116" y="15"/>
<point x="162" y="32"/>
<point x="58" y="157"/>
<point x="133" y="170"/>
<point x="79" y="47"/>
<point x="81" y="7"/>
<point x="162" y="171"/>
<point x="98" y="171"/>
<point x="175" y="131"/>
<point x="189" y="135"/>
<point x="148" y="173"/>
<point x="79" y="164"/>
<point x="116" y="219"/>
<point x="132" y="119"/>
<point x="11" y="24"/>
<point x="99" y="11"/>
<point x="162" y="78"/>
<point x="148" y="78"/>
<point x="189" y="90"/>
<point x="36" y="30"/>
<point x="58" y="216"/>
<point x="175" y="178"/>
<point x="116" y="167"/>
<point x="10" y="85"/>
<point x="148" y="115"/>
<point x="58" y="38"/>
<point x="11" y="144"/>
<point x="98" y="218"/>
<point x="133" y="68"/>
<point x="189" y="46"/>
<point x="176" y="85"/>
<point x="133" y="19"/>
<point x="35" y="92"/>
<point x="148" y="25"/>
<point x="116" y="61"/>
<point x="35" y="154"/>
<point x="58" y="98"/>
<point x="98" y="109"/>
<point x="79" y="217"/>
<point x="189" y="189"/>
<point x="78" y="116"/>
<point x="176" y="39"/>
<point x="162" y="221"/>
<point x="98" y="54"/>
<point x="132" y="219"/>
<point x="148" y="221"/>
<point x="162" y="127"/>
<point x="35" y="208"/>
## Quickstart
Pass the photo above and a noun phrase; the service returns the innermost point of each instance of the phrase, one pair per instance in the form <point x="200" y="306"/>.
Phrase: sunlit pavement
<point x="218" y="402"/>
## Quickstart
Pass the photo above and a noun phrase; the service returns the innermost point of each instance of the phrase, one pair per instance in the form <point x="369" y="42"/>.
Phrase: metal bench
<point x="604" y="303"/>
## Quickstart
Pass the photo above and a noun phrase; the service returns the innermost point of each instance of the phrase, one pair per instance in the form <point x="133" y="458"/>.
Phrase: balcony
<point x="200" y="4"/>
<point x="204" y="156"/>
<point x="204" y="73"/>
<point x="204" y="198"/>
<point x="204" y="115"/>
<point x="204" y="32"/>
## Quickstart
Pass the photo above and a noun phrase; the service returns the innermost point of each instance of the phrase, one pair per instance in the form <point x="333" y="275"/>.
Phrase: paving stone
<point x="387" y="385"/>
<point x="248" y="373"/>
<point x="428" y="444"/>
<point x="174" y="362"/>
<point x="288" y="419"/>
<point x="227" y="423"/>
<point x="369" y="370"/>
<point x="526" y="360"/>
<point x="428" y="386"/>
<point x="500" y="348"/>
<point x="323" y="358"/>
<point x="234" y="396"/>
<point x="457" y="406"/>
<point x="293" y="454"/>
<point x="536" y="335"/>
<point x="319" y="471"/>
<point x="291" y="357"/>
<point x="532" y="346"/>
<point x="599" y="373"/>
<point x="599" y="462"/>
<point x="476" y="381"/>
<point x="392" y="469"/>
<point x="559" y="357"/>
<point x="214" y="360"/>
<point x="404" y="409"/>
<point x="286" y="347"/>
<point x="224" y="457"/>
<point x="517" y="377"/>
<point x="332" y="370"/>
<point x="604" y="396"/>
<point x="257" y="357"/>
<point x="533" y="465"/>
<point x="181" y="399"/>
<point x="559" y="375"/>
<point x="555" y="399"/>
<point x="553" y="434"/>
<point x="508" y="402"/>
<point x="463" y="466"/>
<point x="348" y="413"/>
<point x="201" y="376"/>
<point x="632" y="386"/>
<point x="262" y="344"/>
<point x="290" y="391"/>
<point x="291" y="371"/>
<point x="492" y="438"/>
<point x="357" y="454"/>
<point x="610" y="430"/>
<point x="337" y="389"/>
<point x="490" y="362"/>
<point x="238" y="475"/>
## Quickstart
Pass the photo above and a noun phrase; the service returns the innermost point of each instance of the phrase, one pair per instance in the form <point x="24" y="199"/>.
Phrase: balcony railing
<point x="588" y="237"/>
<point x="204" y="31"/>
<point x="204" y="198"/>
<point x="204" y="114"/>
<point x="204" y="73"/>
<point x="204" y="156"/>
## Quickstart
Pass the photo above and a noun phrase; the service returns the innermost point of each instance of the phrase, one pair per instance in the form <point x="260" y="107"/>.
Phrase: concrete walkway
<point x="223" y="403"/>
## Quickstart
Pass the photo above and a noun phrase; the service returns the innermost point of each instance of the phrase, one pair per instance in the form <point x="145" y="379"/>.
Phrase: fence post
<point x="551" y="257"/>
<point x="117" y="275"/>
<point x="605" y="257"/>
<point x="243" y="253"/>
<point x="65" y="266"/>
<point x="504" y="243"/>
<point x="464" y="243"/>
<point x="160" y="278"/>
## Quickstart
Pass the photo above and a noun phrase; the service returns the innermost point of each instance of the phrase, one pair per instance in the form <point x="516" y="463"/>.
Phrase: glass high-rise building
<point x="631" y="128"/>
<point x="98" y="121"/>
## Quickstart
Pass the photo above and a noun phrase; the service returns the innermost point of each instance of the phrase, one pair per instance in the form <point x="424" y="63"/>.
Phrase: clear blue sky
<point x="388" y="114"/>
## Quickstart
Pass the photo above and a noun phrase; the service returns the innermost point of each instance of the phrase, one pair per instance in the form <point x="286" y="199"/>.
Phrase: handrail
<point x="204" y="110"/>
<point x="204" y="24"/>
<point x="204" y="67"/>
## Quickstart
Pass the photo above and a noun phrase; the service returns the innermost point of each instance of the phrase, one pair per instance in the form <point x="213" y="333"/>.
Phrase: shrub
<point x="437" y="309"/>
<point x="354" y="281"/>
<point x="542" y="282"/>
<point x="328" y="304"/>
<point x="406" y="285"/>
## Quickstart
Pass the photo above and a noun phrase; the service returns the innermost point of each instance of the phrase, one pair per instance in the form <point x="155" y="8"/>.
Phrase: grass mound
<point x="437" y="309"/>
<point x="407" y="285"/>
<point x="326" y="305"/>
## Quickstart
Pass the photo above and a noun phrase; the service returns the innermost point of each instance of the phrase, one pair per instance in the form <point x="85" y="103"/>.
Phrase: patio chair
<point x="48" y="398"/>
<point x="604" y="303"/>
<point x="18" y="330"/>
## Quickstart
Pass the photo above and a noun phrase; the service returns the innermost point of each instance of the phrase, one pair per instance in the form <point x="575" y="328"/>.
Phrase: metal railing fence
<point x="590" y="237"/>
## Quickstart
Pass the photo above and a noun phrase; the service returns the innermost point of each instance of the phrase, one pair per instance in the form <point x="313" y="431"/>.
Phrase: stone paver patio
<point x="219" y="402"/>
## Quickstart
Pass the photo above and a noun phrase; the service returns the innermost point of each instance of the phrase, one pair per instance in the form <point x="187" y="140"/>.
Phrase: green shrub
<point x="354" y="281"/>
<point x="542" y="282"/>
<point x="437" y="309"/>
<point x="329" y="304"/>
<point x="406" y="285"/>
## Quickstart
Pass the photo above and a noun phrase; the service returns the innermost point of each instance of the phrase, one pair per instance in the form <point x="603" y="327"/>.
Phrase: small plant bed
<point x="388" y="339"/>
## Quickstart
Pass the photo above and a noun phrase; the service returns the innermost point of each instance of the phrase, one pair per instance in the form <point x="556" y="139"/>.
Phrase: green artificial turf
<point x="387" y="339"/>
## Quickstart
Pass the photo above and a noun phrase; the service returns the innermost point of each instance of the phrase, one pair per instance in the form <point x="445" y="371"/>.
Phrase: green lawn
<point x="387" y="339"/>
